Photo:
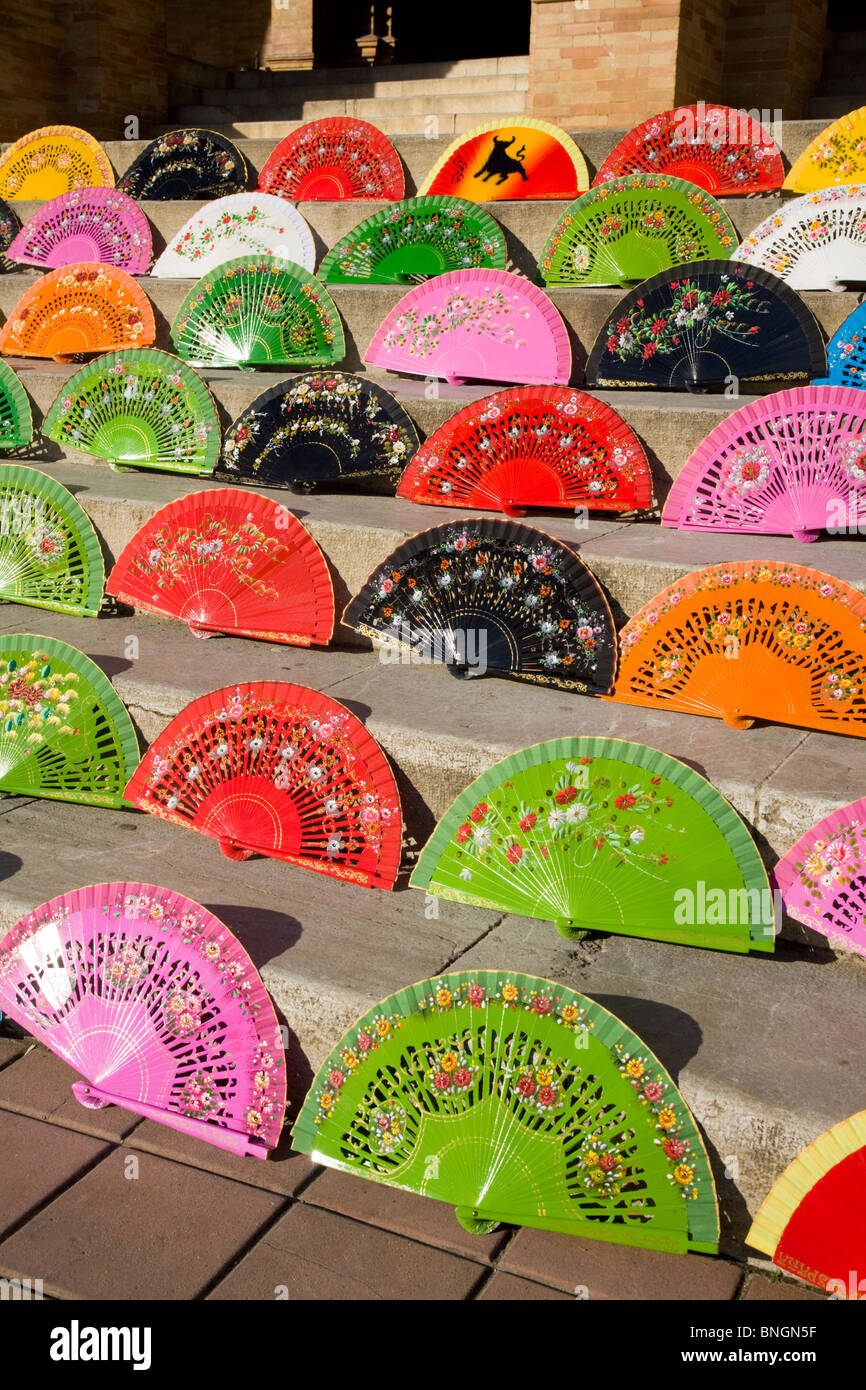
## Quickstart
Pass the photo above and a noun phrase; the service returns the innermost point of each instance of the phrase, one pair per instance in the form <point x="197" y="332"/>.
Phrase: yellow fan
<point x="837" y="155"/>
<point x="53" y="160"/>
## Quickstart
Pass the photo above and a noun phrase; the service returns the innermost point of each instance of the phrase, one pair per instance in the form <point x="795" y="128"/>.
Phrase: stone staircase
<point x="766" y="1050"/>
<point x="843" y="80"/>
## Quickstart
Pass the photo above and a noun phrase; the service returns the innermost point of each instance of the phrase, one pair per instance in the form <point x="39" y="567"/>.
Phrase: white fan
<point x="817" y="242"/>
<point x="243" y="224"/>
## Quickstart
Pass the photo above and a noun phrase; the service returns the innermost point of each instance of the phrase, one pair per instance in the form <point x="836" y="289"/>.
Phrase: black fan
<point x="187" y="164"/>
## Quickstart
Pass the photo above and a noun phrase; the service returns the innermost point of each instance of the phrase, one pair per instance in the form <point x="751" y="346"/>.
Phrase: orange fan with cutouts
<point x="78" y="309"/>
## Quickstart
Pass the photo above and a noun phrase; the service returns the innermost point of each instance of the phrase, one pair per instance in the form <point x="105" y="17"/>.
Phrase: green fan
<point x="49" y="554"/>
<point x="410" y="241"/>
<point x="628" y="229"/>
<point x="138" y="407"/>
<point x="16" y="420"/>
<point x="253" y="311"/>
<point x="64" y="733"/>
<point x="601" y="834"/>
<point x="517" y="1100"/>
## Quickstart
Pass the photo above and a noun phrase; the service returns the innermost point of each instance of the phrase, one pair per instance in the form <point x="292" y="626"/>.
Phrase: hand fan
<point x="335" y="158"/>
<point x="279" y="770"/>
<point x="53" y="160"/>
<point x="542" y="446"/>
<point x="49" y="554"/>
<point x="412" y="240"/>
<point x="78" y="309"/>
<point x="630" y="228"/>
<point x="601" y="834"/>
<point x="9" y="226"/>
<point x="837" y="155"/>
<point x="64" y="733"/>
<point x="822" y="880"/>
<point x="491" y="595"/>
<point x="751" y="640"/>
<point x="817" y="242"/>
<point x="529" y="159"/>
<point x="141" y="408"/>
<point x="813" y="1221"/>
<point x="519" y="1100"/>
<point x="243" y="224"/>
<point x="229" y="561"/>
<point x="16" y="419"/>
<point x="88" y="224"/>
<point x="157" y="1005"/>
<point x="788" y="464"/>
<point x="186" y="164"/>
<point x="707" y="323"/>
<point x="251" y="311"/>
<point x="846" y="353"/>
<point x="721" y="150"/>
<point x="319" y="430"/>
<point x="487" y="324"/>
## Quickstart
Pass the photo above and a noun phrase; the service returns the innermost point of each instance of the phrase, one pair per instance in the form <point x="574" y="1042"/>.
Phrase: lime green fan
<point x="257" y="310"/>
<point x="602" y="834"/>
<point x="412" y="240"/>
<point x="516" y="1100"/>
<point x="49" y="554"/>
<point x="64" y="733"/>
<point x="141" y="408"/>
<point x="16" y="421"/>
<point x="631" y="228"/>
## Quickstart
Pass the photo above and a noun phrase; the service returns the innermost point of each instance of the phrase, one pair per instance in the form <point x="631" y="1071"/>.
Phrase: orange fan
<point x="82" y="308"/>
<point x="229" y="561"/>
<point x="753" y="640"/>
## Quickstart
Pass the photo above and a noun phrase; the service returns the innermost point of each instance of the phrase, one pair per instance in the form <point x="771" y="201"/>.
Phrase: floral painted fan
<point x="822" y="880"/>
<point x="278" y="770"/>
<point x="629" y="229"/>
<point x="335" y="158"/>
<point x="751" y="640"/>
<point x="186" y="164"/>
<point x="837" y="155"/>
<point x="515" y="1099"/>
<point x="487" y="324"/>
<point x="53" y="160"/>
<point x="229" y="561"/>
<point x="813" y="1221"/>
<point x="16" y="417"/>
<point x="76" y="309"/>
<point x="157" y="1005"/>
<point x="489" y="595"/>
<point x="319" y="430"/>
<point x="412" y="240"/>
<point x="793" y="463"/>
<point x="253" y="311"/>
<point x="64" y="733"/>
<point x="49" y="554"/>
<point x="9" y="227"/>
<point x="707" y="323"/>
<point x="536" y="446"/>
<point x="88" y="224"/>
<point x="721" y="150"/>
<point x="140" y="408"/>
<point x="817" y="242"/>
<point x="528" y="159"/>
<point x="601" y="834"/>
<point x="846" y="353"/>
<point x="243" y="224"/>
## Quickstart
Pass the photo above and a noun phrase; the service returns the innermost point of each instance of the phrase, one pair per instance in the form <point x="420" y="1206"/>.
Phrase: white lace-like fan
<point x="817" y="242"/>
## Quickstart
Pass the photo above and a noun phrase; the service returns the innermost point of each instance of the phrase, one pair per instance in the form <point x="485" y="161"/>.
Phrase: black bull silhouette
<point x="499" y="164"/>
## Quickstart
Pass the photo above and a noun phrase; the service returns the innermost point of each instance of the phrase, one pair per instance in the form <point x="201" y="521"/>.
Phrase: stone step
<point x="829" y="108"/>
<point x="385" y="74"/>
<point x="392" y="110"/>
<point x="264" y="100"/>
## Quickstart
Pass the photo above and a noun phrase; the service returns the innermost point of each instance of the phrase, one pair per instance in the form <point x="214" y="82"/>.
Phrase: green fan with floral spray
<point x="49" y="553"/>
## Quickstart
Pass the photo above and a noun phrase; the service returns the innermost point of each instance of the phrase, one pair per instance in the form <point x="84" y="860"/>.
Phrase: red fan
<point x="279" y="770"/>
<point x="229" y="561"/>
<point x="721" y="150"/>
<point x="545" y="446"/>
<point x="334" y="158"/>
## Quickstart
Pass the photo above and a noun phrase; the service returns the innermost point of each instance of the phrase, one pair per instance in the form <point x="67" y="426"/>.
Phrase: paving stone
<point x="283" y="1171"/>
<point x="40" y="1084"/>
<point x="38" y="1160"/>
<point x="165" y="1234"/>
<point x="617" y="1271"/>
<point x="10" y="1048"/>
<point x="506" y="1288"/>
<point x="762" y="1290"/>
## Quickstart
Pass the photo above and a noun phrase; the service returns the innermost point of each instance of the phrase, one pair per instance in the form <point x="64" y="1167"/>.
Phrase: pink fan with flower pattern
<point x="822" y="880"/>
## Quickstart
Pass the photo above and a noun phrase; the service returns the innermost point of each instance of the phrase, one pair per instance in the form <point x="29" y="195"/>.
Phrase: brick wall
<point x="701" y="51"/>
<point x="221" y="34"/>
<point x="774" y="54"/>
<point x="288" y="42"/>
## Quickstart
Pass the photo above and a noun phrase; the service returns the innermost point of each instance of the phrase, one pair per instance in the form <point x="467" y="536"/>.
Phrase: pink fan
<point x="793" y="463"/>
<point x="154" y="1002"/>
<point x="822" y="880"/>
<point x="487" y="324"/>
<point x="88" y="224"/>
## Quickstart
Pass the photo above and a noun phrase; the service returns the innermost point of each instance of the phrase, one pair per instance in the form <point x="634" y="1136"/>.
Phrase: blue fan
<point x="846" y="353"/>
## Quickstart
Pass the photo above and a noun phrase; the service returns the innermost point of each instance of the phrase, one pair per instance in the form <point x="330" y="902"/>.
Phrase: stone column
<point x="114" y="65"/>
<point x="289" y="40"/>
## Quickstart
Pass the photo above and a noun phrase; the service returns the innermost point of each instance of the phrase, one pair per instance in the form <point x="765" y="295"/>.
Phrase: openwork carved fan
<point x="334" y="158"/>
<point x="837" y="155"/>
<point x="154" y="1002"/>
<point x="278" y="770"/>
<point x="53" y="160"/>
<point x="191" y="164"/>
<point x="822" y="879"/>
<point x="526" y="159"/>
<point x="88" y="224"/>
<point x="721" y="150"/>
<point x="817" y="242"/>
<point x="412" y="240"/>
<point x="243" y="224"/>
<point x="10" y="226"/>
<point x="542" y="446"/>
<point x="489" y="595"/>
<point x="601" y="834"/>
<point x="16" y="417"/>
<point x="49" y="554"/>
<point x="629" y="229"/>
<point x="515" y="1099"/>
<point x="846" y="353"/>
<point x="64" y="733"/>
<point x="77" y="309"/>
<point x="751" y="640"/>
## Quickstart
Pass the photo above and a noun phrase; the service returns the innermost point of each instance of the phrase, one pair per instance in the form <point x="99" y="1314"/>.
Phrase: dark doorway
<point x="843" y="14"/>
<point x="445" y="31"/>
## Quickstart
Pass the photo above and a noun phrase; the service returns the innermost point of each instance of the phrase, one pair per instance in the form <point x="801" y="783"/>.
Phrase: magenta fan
<point x="822" y="880"/>
<point x="153" y="1001"/>
<point x="87" y="224"/>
